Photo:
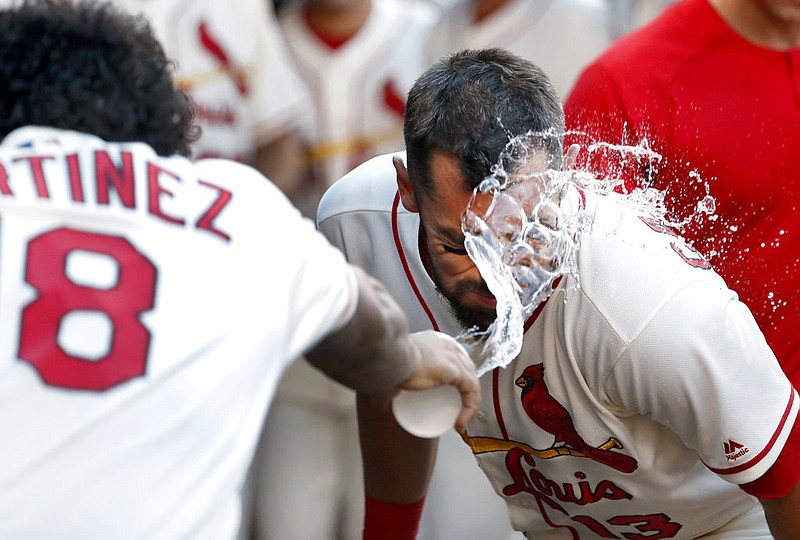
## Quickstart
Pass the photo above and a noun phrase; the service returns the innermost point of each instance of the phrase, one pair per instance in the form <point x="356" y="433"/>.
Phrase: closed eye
<point x="454" y="250"/>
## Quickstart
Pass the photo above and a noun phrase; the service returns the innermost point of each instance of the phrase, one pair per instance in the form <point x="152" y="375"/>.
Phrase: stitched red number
<point x="596" y="527"/>
<point x="689" y="255"/>
<point x="58" y="295"/>
<point x="659" y="524"/>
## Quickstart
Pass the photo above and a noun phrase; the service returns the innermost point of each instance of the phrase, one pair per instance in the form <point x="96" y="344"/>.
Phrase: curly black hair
<point x="89" y="67"/>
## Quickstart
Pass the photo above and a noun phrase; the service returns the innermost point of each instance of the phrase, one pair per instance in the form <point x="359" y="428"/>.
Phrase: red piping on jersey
<point x="767" y="448"/>
<point x="498" y="411"/>
<point x="583" y="198"/>
<point x="423" y="254"/>
<point x="404" y="262"/>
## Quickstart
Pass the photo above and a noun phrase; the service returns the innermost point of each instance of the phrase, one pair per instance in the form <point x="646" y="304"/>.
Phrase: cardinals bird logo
<point x="552" y="417"/>
<point x="211" y="45"/>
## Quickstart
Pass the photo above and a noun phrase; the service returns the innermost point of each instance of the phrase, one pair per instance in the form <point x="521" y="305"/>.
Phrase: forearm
<point x="783" y="515"/>
<point x="372" y="353"/>
<point x="397" y="465"/>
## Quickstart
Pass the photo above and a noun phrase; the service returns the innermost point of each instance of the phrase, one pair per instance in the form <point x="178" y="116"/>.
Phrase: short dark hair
<point x="87" y="66"/>
<point x="470" y="104"/>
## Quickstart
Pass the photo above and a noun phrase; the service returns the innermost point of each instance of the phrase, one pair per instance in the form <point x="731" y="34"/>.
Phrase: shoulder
<point x="370" y="187"/>
<point x="232" y="174"/>
<point x="249" y="190"/>
<point x="631" y="265"/>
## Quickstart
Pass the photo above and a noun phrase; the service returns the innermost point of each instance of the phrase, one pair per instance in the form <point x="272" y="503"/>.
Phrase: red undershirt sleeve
<point x="389" y="521"/>
<point x="784" y="473"/>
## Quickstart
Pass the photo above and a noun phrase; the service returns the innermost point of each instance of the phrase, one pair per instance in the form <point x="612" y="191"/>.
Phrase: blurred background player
<point x="678" y="84"/>
<point x="358" y="59"/>
<point x="231" y="59"/>
<point x="147" y="307"/>
<point x="561" y="36"/>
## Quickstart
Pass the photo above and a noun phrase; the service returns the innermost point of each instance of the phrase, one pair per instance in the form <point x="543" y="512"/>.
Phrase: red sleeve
<point x="784" y="474"/>
<point x="598" y="119"/>
<point x="389" y="521"/>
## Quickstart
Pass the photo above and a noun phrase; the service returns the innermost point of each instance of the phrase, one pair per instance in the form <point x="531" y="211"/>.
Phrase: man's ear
<point x="404" y="187"/>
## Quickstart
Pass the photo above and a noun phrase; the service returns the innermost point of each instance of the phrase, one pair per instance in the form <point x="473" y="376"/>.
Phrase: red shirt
<point x="712" y="103"/>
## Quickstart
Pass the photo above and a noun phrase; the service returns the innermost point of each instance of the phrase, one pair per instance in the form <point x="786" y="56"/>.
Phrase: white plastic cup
<point x="427" y="413"/>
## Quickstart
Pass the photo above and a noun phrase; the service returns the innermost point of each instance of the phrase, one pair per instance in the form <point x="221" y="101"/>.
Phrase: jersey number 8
<point x="122" y="303"/>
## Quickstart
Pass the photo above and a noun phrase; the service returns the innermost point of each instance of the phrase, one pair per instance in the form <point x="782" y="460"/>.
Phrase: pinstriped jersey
<point x="643" y="396"/>
<point x="148" y="307"/>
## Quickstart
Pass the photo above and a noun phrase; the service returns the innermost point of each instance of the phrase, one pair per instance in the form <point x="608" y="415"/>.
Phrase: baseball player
<point x="645" y="402"/>
<point x="561" y="36"/>
<point x="358" y="75"/>
<point x="148" y="304"/>
<point x="231" y="59"/>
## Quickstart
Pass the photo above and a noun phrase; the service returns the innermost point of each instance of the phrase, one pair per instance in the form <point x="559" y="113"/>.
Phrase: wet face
<point x="454" y="273"/>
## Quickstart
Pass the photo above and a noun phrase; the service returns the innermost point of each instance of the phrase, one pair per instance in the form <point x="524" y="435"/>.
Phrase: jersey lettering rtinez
<point x="231" y="59"/>
<point x="148" y="307"/>
<point x="641" y="407"/>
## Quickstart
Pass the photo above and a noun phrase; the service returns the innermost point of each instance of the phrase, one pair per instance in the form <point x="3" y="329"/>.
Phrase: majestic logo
<point x="734" y="450"/>
<point x="547" y="413"/>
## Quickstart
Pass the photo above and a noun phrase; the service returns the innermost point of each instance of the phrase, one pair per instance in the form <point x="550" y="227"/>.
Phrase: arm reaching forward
<point x="374" y="354"/>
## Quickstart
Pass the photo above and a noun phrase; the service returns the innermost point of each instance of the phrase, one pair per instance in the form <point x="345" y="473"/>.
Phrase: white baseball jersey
<point x="559" y="36"/>
<point x="358" y="89"/>
<point x="640" y="399"/>
<point x="147" y="309"/>
<point x="231" y="59"/>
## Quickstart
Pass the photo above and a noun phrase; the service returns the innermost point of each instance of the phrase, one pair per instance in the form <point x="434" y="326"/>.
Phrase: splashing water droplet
<point x="707" y="205"/>
<point x="523" y="240"/>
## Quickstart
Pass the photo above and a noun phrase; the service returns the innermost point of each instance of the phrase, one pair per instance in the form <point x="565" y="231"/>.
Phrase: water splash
<point x="521" y="239"/>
